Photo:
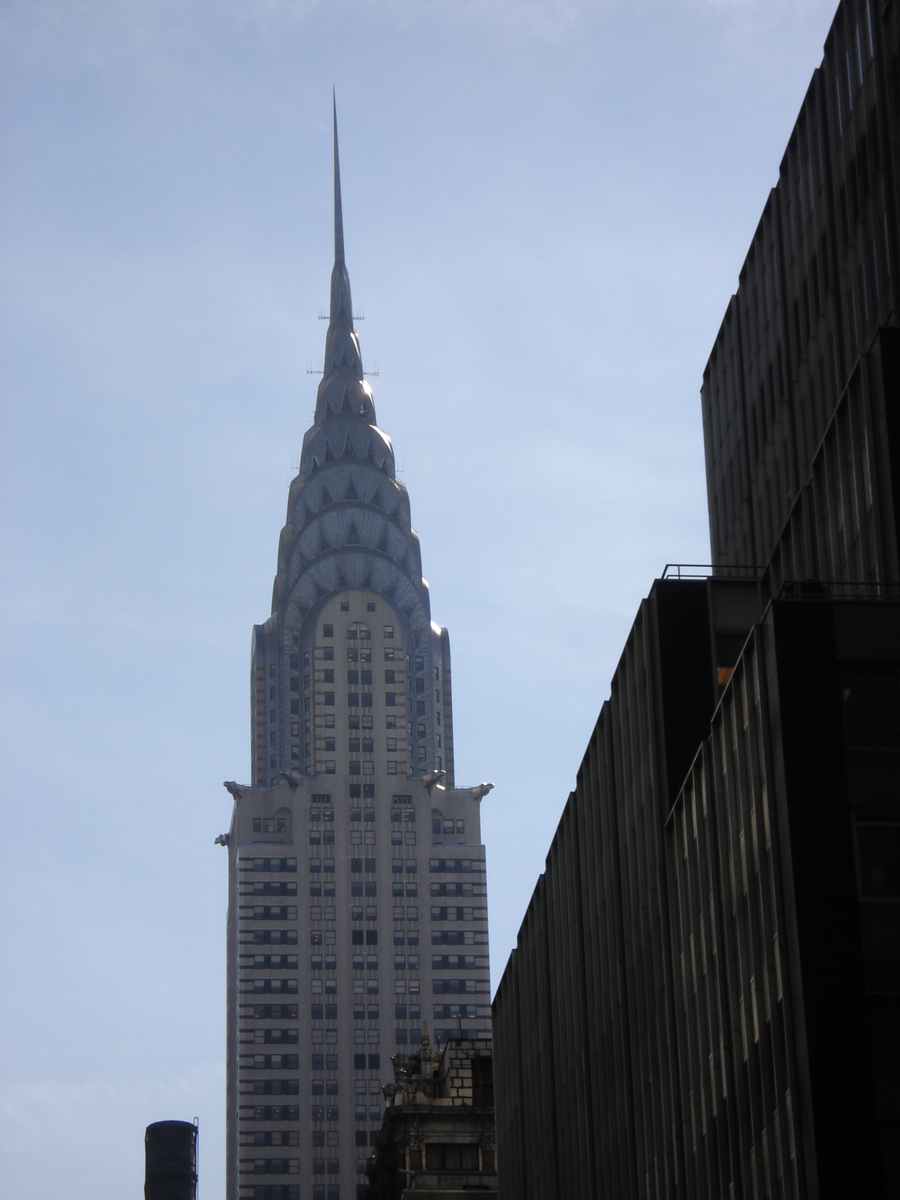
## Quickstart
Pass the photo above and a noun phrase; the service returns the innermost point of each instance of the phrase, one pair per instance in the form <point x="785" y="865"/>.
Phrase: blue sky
<point x="546" y="207"/>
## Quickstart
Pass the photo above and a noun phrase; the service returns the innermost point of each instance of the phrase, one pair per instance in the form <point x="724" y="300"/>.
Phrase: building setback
<point x="704" y="999"/>
<point x="356" y="871"/>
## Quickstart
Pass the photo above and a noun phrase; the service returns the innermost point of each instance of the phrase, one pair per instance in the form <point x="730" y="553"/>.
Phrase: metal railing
<point x="709" y="571"/>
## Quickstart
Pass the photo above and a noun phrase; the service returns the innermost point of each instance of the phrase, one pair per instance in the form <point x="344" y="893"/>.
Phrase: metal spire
<point x="338" y="215"/>
<point x="343" y="387"/>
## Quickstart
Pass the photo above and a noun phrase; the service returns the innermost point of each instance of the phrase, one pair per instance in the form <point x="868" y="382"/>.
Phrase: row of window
<point x="274" y="962"/>
<point x="274" y="937"/>
<point x="271" y="1112"/>
<point x="459" y="987"/>
<point x="269" y="824"/>
<point x="270" y="1166"/>
<point x="373" y="1113"/>
<point x="271" y="1062"/>
<point x="276" y="1137"/>
<point x="270" y="912"/>
<point x="274" y="1037"/>
<point x="458" y="937"/>
<point x="449" y="866"/>
<point x="452" y="962"/>
<point x="273" y="1087"/>
<point x="283" y="1191"/>
<point x="258" y="888"/>
<point x="273" y="865"/>
<point x="458" y="889"/>
<point x="357" y="629"/>
<point x="269" y="985"/>
<point x="327" y="1087"/>
<point x="318" y="1137"/>
<point x="457" y="913"/>
<point x="369" y="888"/>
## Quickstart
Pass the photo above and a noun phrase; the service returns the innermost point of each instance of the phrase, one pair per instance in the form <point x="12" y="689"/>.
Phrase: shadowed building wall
<point x="704" y="999"/>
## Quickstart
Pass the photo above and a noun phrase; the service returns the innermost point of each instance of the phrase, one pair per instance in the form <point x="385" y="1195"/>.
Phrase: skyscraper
<point x="356" y="872"/>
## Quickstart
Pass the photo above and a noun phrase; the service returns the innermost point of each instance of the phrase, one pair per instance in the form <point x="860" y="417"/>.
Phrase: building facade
<point x="356" y="872"/>
<point x="704" y="999"/>
<point x="437" y="1136"/>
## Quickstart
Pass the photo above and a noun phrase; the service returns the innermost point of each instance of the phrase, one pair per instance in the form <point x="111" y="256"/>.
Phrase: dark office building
<point x="704" y="1000"/>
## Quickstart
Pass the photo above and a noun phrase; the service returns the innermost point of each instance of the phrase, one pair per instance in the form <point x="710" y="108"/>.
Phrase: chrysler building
<point x="357" y="908"/>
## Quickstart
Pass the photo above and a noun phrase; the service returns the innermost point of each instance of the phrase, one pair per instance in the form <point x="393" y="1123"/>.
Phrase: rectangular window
<point x="878" y="853"/>
<point x="329" y="699"/>
<point x="388" y="631"/>
<point x="328" y="631"/>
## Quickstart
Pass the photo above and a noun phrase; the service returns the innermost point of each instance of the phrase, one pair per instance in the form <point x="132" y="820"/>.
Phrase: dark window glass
<point x="872" y="706"/>
<point x="445" y="1157"/>
<point x="878" y="847"/>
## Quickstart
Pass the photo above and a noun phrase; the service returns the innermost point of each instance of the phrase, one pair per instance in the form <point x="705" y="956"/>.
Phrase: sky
<point x="546" y="207"/>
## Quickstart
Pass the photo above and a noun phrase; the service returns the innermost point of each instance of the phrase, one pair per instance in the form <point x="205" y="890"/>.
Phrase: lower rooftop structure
<point x="437" y="1135"/>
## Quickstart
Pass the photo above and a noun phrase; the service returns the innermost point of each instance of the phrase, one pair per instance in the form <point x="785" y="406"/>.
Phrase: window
<point x="878" y="854"/>
<point x="328" y="653"/>
<point x="370" y="606"/>
<point x="388" y="631"/>
<point x="451" y="1157"/>
<point x="345" y="606"/>
<point x="328" y="675"/>
<point x="389" y="654"/>
<point x="482" y="1081"/>
<point x="872" y="706"/>
<point x="328" y="631"/>
<point x="329" y="699"/>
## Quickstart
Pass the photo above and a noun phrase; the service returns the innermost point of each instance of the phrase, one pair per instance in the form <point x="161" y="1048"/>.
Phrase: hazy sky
<point x="546" y="206"/>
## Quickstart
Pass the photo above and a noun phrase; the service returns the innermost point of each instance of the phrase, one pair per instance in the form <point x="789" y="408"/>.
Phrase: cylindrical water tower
<point x="170" y="1149"/>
